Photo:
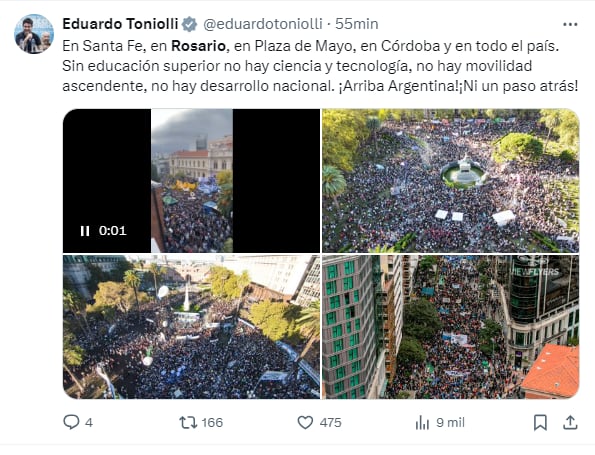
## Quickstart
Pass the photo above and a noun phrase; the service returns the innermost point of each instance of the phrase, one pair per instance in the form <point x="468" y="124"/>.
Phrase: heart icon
<point x="305" y="421"/>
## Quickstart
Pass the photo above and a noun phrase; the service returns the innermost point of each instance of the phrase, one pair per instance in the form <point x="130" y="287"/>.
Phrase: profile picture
<point x="34" y="34"/>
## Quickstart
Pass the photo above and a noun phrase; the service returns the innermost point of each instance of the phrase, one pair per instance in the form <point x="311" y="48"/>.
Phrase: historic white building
<point x="203" y="162"/>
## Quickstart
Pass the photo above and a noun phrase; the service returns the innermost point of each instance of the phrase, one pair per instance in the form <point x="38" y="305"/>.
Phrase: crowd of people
<point x="213" y="354"/>
<point x="190" y="227"/>
<point x="455" y="367"/>
<point x="398" y="189"/>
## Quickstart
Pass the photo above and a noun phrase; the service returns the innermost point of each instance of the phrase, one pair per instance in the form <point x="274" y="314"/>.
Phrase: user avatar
<point x="34" y="34"/>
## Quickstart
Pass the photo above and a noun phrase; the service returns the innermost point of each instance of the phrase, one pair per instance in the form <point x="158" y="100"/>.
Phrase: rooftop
<point x="555" y="372"/>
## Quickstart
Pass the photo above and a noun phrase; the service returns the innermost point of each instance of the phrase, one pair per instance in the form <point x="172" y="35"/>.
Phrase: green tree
<point x="133" y="280"/>
<point x="156" y="271"/>
<point x="551" y="119"/>
<point x="225" y="283"/>
<point x="517" y="146"/>
<point x="333" y="183"/>
<point x="231" y="288"/>
<point x="218" y="277"/>
<point x="410" y="352"/>
<point x="113" y="294"/>
<point x="72" y="356"/>
<point x="225" y="199"/>
<point x="428" y="262"/>
<point x="421" y="320"/>
<point x="270" y="318"/>
<point x="487" y="337"/>
<point x="373" y="124"/>
<point x="568" y="129"/>
<point x="228" y="246"/>
<point x="343" y="130"/>
<point x="482" y="266"/>
<point x="243" y="281"/>
<point x="308" y="324"/>
<point x="118" y="271"/>
<point x="76" y="304"/>
<point x="490" y="330"/>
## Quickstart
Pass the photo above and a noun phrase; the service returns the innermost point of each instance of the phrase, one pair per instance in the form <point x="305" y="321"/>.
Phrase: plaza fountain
<point x="463" y="173"/>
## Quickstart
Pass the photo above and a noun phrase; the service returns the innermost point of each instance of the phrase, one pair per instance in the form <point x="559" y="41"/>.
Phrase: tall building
<point x="280" y="273"/>
<point x="352" y="353"/>
<point x="540" y="300"/>
<point x="393" y="293"/>
<point x="309" y="287"/>
<point x="76" y="269"/>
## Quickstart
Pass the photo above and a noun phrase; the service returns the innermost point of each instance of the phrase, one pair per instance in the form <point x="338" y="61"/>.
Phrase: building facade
<point x="540" y="300"/>
<point x="76" y="269"/>
<point x="309" y="288"/>
<point x="352" y="355"/>
<point x="394" y="291"/>
<point x="280" y="273"/>
<point x="201" y="163"/>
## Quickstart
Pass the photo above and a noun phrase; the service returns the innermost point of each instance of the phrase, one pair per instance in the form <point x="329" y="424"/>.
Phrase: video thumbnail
<point x="450" y="181"/>
<point x="450" y="327"/>
<point x="192" y="181"/>
<point x="191" y="326"/>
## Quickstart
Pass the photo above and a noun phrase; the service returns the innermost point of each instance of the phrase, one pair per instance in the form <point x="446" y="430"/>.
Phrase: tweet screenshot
<point x="288" y="226"/>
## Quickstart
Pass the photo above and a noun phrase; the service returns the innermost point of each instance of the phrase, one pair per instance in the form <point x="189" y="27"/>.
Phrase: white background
<point x="33" y="403"/>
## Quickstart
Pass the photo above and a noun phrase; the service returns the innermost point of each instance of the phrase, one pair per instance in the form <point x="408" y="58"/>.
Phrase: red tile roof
<point x="555" y="372"/>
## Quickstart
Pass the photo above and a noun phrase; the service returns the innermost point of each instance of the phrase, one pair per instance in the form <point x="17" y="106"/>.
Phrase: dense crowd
<point x="455" y="367"/>
<point x="398" y="189"/>
<point x="190" y="228"/>
<point x="215" y="355"/>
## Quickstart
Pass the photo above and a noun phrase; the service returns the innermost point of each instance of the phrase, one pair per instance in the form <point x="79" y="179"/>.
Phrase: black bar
<point x="276" y="178"/>
<point x="107" y="174"/>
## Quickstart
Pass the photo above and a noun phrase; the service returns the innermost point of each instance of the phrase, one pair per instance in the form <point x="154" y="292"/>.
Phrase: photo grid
<point x="447" y="266"/>
<point x="450" y="265"/>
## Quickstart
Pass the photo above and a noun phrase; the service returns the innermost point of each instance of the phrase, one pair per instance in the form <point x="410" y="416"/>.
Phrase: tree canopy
<point x="410" y="351"/>
<point x="515" y="146"/>
<point x="342" y="132"/>
<point x="225" y="199"/>
<point x="333" y="183"/>
<point x="487" y="335"/>
<point x="114" y="294"/>
<point x="226" y="284"/>
<point x="421" y="320"/>
<point x="74" y="303"/>
<point x="275" y="319"/>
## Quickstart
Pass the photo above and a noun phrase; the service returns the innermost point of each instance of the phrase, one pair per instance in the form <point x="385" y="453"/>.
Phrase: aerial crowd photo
<point x="450" y="181"/>
<point x="450" y="326"/>
<point x="191" y="327"/>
